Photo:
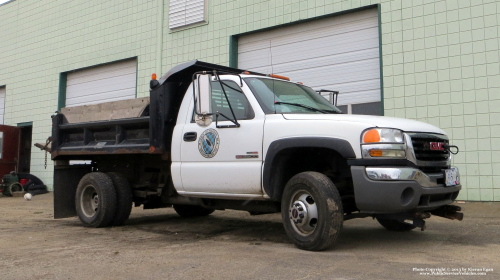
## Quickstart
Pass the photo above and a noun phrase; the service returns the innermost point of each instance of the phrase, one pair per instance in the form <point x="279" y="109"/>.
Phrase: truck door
<point x="9" y="149"/>
<point x="225" y="162"/>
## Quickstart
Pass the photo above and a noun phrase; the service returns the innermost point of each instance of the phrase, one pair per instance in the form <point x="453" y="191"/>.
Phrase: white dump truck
<point x="211" y="137"/>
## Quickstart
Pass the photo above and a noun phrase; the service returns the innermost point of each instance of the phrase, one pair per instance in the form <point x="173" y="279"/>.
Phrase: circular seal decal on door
<point x="208" y="144"/>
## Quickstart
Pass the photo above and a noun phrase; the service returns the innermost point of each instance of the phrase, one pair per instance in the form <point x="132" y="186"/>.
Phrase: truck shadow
<point x="176" y="228"/>
<point x="256" y="230"/>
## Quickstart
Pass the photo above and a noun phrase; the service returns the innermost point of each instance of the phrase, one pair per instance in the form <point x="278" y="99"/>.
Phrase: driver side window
<point x="239" y="102"/>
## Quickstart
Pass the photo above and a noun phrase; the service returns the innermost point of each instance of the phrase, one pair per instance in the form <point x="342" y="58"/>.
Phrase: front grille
<point x="421" y="146"/>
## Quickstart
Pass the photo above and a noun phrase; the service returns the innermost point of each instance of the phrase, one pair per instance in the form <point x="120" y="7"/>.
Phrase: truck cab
<point x="217" y="138"/>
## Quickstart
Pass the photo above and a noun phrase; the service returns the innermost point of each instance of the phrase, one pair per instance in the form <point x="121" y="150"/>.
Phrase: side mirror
<point x="203" y="99"/>
<point x="333" y="95"/>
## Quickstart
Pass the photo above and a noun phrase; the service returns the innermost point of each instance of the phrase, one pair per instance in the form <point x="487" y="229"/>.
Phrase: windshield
<point x="280" y="97"/>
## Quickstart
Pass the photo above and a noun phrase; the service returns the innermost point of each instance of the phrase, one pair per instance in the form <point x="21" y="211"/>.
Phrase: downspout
<point x="381" y="60"/>
<point x="159" y="38"/>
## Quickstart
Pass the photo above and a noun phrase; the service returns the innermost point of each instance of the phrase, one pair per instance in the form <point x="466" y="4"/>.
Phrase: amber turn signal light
<point x="279" y="77"/>
<point x="153" y="76"/>
<point x="371" y="136"/>
<point x="376" y="153"/>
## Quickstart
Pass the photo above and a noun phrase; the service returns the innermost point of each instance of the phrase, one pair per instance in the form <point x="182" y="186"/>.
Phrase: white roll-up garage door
<point x="109" y="82"/>
<point x="338" y="53"/>
<point x="2" y="104"/>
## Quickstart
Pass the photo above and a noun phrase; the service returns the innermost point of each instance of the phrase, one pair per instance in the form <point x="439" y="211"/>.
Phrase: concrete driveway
<point x="158" y="244"/>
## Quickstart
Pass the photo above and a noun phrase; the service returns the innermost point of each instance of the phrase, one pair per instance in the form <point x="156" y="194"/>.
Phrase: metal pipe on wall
<point x="159" y="37"/>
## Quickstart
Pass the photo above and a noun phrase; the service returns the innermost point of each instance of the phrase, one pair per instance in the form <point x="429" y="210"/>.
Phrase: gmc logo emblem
<point x="436" y="146"/>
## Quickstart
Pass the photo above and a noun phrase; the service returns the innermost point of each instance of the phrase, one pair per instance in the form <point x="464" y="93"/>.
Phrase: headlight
<point x="382" y="135"/>
<point x="383" y="143"/>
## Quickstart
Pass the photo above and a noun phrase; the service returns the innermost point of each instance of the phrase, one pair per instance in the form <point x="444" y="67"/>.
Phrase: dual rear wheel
<point x="103" y="199"/>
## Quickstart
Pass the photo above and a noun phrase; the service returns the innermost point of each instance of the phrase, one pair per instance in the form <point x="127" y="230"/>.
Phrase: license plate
<point x="451" y="176"/>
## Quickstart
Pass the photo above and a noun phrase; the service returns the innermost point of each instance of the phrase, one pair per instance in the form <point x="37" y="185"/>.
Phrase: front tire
<point x="311" y="210"/>
<point x="395" y="225"/>
<point x="192" y="210"/>
<point x="95" y="200"/>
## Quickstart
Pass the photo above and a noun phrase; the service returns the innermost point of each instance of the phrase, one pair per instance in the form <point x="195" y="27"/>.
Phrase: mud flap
<point x="66" y="179"/>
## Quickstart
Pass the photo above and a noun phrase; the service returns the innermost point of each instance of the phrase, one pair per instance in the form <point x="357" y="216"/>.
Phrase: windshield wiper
<point x="303" y="106"/>
<point x="333" y="112"/>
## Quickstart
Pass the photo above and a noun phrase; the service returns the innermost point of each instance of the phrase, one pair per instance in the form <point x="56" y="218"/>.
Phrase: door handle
<point x="190" y="136"/>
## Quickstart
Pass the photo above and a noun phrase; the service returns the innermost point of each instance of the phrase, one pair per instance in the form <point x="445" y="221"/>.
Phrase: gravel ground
<point x="158" y="244"/>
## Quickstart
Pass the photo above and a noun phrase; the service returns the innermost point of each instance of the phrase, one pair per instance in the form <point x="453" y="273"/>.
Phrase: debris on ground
<point x="17" y="194"/>
<point x="21" y="183"/>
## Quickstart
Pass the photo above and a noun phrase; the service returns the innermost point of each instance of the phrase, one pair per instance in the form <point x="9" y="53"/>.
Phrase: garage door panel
<point x="127" y="80"/>
<point x="339" y="82"/>
<point x="359" y="68"/>
<point x="100" y="97"/>
<point x="333" y="79"/>
<point x="297" y="55"/>
<point x="327" y="60"/>
<point x="317" y="48"/>
<point x="254" y="46"/>
<point x="256" y="59"/>
<point x="98" y="70"/>
<point x="298" y="52"/>
<point x="74" y="101"/>
<point x="368" y="15"/>
<point x="341" y="58"/>
<point x="352" y="87"/>
<point x="101" y="76"/>
<point x="110" y="82"/>
<point x="359" y="97"/>
<point x="363" y="29"/>
<point x="308" y="35"/>
<point x="339" y="53"/>
<point x="336" y="40"/>
<point x="120" y="82"/>
<point x="349" y="72"/>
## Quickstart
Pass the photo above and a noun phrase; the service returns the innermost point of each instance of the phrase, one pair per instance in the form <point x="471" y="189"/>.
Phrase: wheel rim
<point x="89" y="201"/>
<point x="303" y="213"/>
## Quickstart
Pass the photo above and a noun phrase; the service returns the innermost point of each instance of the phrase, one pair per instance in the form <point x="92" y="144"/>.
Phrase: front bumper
<point x="398" y="192"/>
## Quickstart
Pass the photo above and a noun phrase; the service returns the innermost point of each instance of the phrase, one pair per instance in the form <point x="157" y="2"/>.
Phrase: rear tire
<point x="123" y="198"/>
<point x="395" y="225"/>
<point x="311" y="209"/>
<point x="192" y="210"/>
<point x="95" y="200"/>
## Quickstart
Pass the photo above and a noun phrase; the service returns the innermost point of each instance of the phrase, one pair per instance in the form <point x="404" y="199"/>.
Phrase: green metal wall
<point x="440" y="60"/>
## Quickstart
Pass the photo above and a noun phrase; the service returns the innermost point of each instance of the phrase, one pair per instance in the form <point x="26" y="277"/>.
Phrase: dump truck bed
<point x="118" y="127"/>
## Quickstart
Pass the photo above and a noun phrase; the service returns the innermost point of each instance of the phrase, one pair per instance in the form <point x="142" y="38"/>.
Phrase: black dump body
<point x="149" y="133"/>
